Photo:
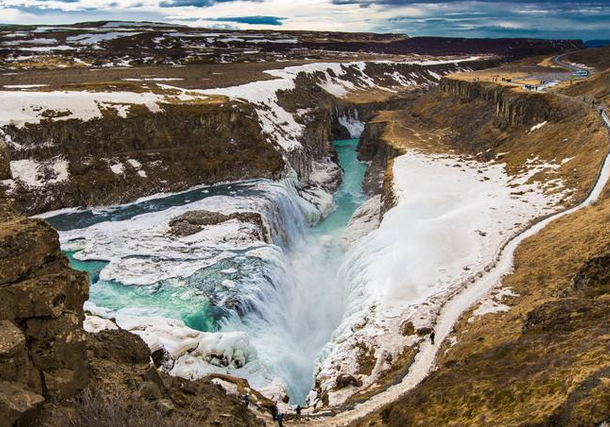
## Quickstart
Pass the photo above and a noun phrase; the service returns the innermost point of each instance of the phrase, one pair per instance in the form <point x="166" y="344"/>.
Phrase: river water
<point x="289" y="306"/>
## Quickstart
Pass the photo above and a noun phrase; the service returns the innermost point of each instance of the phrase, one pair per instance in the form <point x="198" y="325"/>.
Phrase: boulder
<point x="25" y="245"/>
<point x="18" y="404"/>
<point x="47" y="296"/>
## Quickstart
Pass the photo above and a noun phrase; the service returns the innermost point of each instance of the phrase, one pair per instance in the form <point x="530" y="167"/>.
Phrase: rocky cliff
<point x="115" y="159"/>
<point x="512" y="107"/>
<point x="42" y="350"/>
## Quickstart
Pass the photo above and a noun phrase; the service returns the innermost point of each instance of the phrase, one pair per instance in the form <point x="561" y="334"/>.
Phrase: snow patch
<point x="448" y="223"/>
<point x="493" y="303"/>
<point x="538" y="126"/>
<point x="37" y="174"/>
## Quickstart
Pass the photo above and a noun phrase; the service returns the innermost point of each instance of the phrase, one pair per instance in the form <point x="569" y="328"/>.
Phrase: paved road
<point x="559" y="60"/>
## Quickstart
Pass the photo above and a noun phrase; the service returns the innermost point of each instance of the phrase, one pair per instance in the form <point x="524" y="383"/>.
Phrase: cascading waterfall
<point x="291" y="325"/>
<point x="284" y="295"/>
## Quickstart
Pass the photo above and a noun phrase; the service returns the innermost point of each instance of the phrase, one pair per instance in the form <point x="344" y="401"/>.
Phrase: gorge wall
<point x="536" y="358"/>
<point x="115" y="160"/>
<point x="131" y="151"/>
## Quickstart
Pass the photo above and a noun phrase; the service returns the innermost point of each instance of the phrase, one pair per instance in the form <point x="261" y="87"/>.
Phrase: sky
<point x="574" y="19"/>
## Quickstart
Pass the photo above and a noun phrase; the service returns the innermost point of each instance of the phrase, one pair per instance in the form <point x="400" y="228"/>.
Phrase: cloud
<point x="584" y="19"/>
<point x="196" y="3"/>
<point x="411" y="2"/>
<point x="252" y="20"/>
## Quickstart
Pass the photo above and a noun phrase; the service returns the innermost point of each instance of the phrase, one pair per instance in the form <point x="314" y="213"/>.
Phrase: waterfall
<point x="277" y="300"/>
<point x="292" y="322"/>
<point x="352" y="123"/>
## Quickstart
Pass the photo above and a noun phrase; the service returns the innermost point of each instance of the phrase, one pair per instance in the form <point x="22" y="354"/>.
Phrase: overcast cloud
<point x="582" y="19"/>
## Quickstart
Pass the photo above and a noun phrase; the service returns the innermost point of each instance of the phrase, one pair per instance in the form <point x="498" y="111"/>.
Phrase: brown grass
<point x="117" y="408"/>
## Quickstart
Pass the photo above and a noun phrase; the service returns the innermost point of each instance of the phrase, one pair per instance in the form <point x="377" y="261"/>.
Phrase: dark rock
<point x="62" y="384"/>
<point x="5" y="162"/>
<point x="594" y="276"/>
<point x="194" y="221"/>
<point x="423" y="331"/>
<point x="49" y="295"/>
<point x="160" y="357"/>
<point x="346" y="380"/>
<point x="407" y="329"/>
<point x="18" y="404"/>
<point x="25" y="245"/>
<point x="15" y="365"/>
<point x="119" y="346"/>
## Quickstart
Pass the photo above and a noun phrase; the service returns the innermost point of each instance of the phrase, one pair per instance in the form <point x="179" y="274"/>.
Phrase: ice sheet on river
<point x="141" y="250"/>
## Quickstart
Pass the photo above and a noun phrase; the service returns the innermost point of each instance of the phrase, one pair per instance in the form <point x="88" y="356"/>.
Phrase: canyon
<point x="297" y="231"/>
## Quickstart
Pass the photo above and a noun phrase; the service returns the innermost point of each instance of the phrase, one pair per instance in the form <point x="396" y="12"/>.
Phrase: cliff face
<point x="42" y="344"/>
<point x="115" y="159"/>
<point x="374" y="149"/>
<point x="513" y="108"/>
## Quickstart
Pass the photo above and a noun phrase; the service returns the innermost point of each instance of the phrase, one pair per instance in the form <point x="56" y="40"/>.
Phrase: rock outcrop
<point x="42" y="344"/>
<point x="192" y="222"/>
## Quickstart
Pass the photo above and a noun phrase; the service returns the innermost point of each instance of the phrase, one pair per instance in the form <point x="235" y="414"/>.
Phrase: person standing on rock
<point x="246" y="399"/>
<point x="432" y="336"/>
<point x="274" y="411"/>
<point x="298" y="410"/>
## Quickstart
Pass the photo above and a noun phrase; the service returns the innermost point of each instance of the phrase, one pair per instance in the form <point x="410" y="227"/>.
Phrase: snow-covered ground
<point x="37" y="174"/>
<point x="21" y="107"/>
<point x="451" y="219"/>
<point x="478" y="289"/>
